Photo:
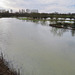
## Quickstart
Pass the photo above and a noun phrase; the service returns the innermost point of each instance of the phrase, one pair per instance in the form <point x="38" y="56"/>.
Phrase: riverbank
<point x="4" y="67"/>
<point x="54" y="23"/>
<point x="25" y="18"/>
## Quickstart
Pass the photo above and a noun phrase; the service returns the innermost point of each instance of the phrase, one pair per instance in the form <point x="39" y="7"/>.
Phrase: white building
<point x="31" y="11"/>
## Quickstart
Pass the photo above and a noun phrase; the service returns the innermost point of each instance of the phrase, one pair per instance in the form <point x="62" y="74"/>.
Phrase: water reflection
<point x="60" y="27"/>
<point x="73" y="32"/>
<point x="35" y="21"/>
<point x="34" y="48"/>
<point x="42" y="22"/>
<point x="63" y="24"/>
<point x="57" y="27"/>
<point x="58" y="31"/>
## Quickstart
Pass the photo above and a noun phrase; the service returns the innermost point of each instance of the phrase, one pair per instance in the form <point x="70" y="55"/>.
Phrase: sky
<point x="46" y="6"/>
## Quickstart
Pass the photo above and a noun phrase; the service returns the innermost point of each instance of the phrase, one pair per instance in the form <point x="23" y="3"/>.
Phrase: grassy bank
<point x="43" y="19"/>
<point x="4" y="67"/>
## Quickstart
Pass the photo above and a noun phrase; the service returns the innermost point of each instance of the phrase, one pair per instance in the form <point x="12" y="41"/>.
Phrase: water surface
<point x="36" y="48"/>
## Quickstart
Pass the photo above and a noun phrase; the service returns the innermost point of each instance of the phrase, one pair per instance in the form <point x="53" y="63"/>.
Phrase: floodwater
<point x="36" y="48"/>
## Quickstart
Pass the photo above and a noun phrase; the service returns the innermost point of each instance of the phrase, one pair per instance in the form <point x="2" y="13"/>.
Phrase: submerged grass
<point x="4" y="67"/>
<point x="43" y="19"/>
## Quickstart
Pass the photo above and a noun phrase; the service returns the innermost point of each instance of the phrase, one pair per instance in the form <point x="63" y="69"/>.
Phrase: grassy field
<point x="43" y="19"/>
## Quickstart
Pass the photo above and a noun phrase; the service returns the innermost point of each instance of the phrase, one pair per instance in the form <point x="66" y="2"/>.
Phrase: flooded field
<point x="37" y="48"/>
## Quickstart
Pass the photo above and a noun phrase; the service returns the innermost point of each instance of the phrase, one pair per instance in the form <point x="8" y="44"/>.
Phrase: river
<point x="36" y="48"/>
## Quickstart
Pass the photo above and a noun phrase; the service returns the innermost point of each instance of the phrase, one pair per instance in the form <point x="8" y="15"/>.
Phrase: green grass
<point x="43" y="19"/>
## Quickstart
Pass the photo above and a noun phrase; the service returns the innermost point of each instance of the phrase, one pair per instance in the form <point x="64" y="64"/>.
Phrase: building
<point x="31" y="11"/>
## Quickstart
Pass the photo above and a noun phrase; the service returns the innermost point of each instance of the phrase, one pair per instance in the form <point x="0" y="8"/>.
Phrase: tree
<point x="11" y="11"/>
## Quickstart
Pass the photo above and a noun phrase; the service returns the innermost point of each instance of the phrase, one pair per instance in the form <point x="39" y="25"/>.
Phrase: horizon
<point x="14" y="11"/>
<point x="49" y="6"/>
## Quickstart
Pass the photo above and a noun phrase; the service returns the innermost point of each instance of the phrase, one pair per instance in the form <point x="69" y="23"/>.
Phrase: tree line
<point x="22" y="13"/>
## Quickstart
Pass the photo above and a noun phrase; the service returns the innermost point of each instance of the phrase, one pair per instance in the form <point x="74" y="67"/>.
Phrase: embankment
<point x="4" y="67"/>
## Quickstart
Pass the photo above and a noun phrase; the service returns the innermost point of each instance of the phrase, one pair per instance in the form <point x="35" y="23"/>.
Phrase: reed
<point x="4" y="67"/>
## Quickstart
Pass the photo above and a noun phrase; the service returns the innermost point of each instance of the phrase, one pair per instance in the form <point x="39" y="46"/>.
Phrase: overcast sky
<point x="61" y="6"/>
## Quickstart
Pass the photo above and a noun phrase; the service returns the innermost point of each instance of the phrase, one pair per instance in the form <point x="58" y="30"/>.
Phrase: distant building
<point x="4" y="11"/>
<point x="11" y="11"/>
<point x="34" y="11"/>
<point x="22" y="11"/>
<point x="28" y="11"/>
<point x="31" y="11"/>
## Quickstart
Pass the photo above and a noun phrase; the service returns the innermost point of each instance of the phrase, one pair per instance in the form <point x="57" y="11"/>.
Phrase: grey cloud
<point x="42" y="5"/>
